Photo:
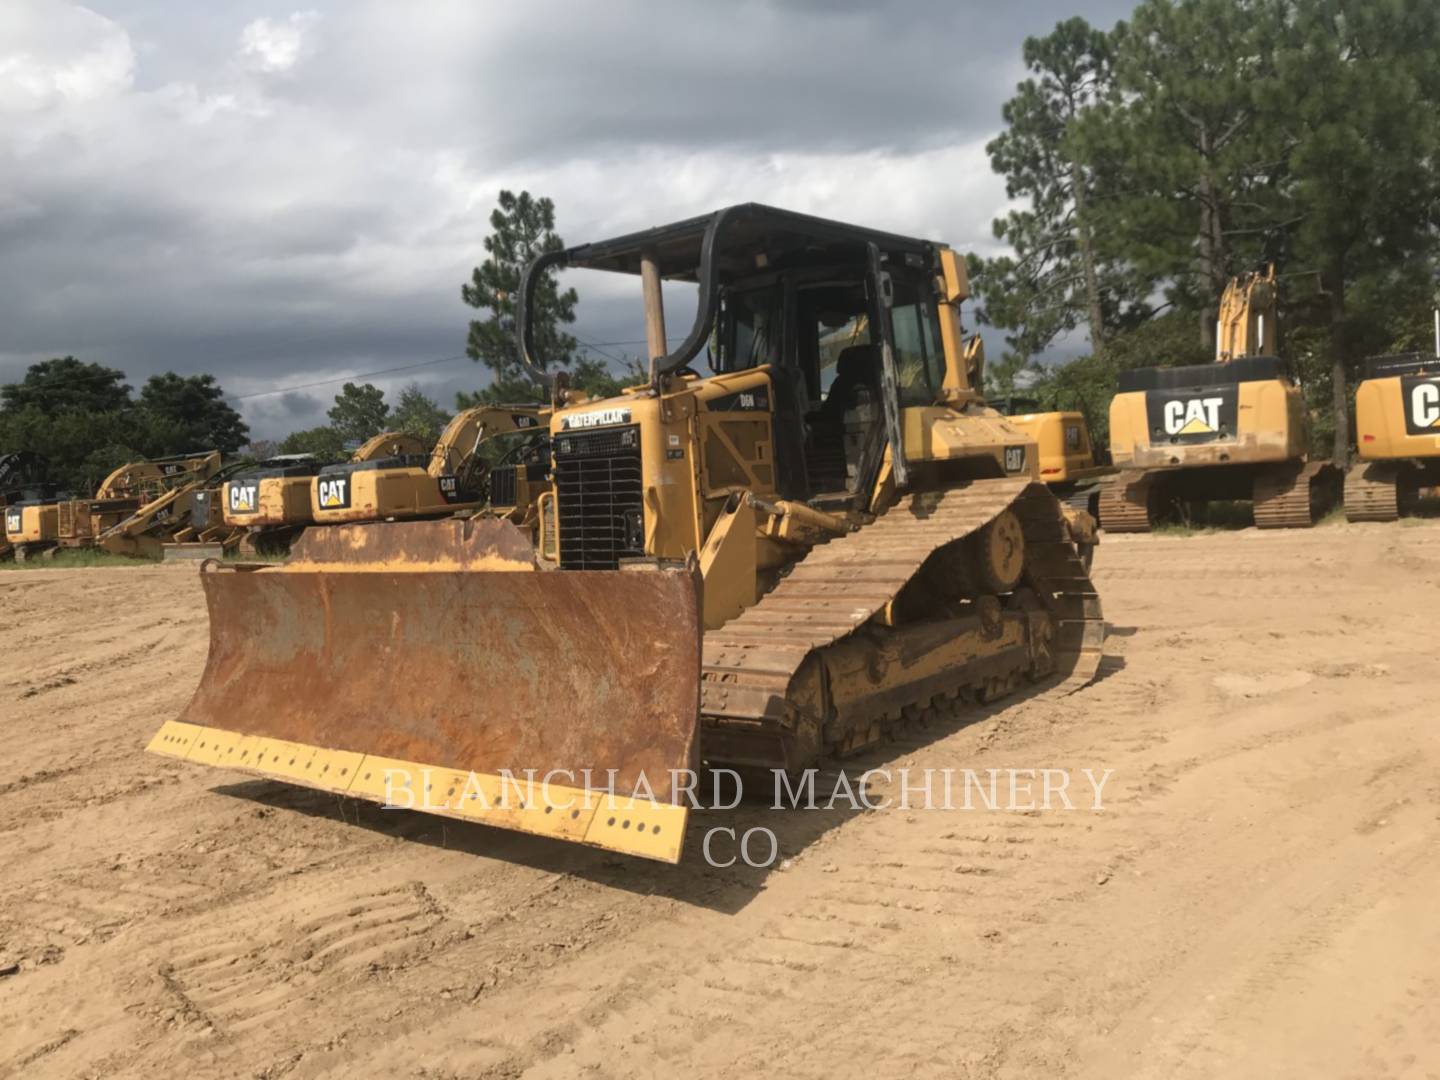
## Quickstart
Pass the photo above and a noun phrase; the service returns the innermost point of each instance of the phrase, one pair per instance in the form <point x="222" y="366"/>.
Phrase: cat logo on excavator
<point x="334" y="493"/>
<point x="1197" y="416"/>
<point x="1423" y="416"/>
<point x="243" y="497"/>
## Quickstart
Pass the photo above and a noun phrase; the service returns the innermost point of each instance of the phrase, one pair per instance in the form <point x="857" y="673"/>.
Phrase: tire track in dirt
<point x="212" y="925"/>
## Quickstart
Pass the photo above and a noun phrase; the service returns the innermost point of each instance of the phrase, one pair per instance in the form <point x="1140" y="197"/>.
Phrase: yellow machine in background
<point x="22" y="483"/>
<point x="1235" y="429"/>
<point x="31" y="527"/>
<point x="708" y="587"/>
<point x="134" y="508"/>
<point x="184" y="500"/>
<point x="408" y="485"/>
<point x="1397" y="435"/>
<point x="1069" y="464"/>
<point x="271" y="500"/>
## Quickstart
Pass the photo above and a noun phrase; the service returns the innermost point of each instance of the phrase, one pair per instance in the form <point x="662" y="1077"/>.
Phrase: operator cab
<point x="817" y="335"/>
<point x="813" y="330"/>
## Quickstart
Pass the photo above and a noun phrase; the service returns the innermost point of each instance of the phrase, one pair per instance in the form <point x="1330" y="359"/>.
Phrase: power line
<point x="349" y="378"/>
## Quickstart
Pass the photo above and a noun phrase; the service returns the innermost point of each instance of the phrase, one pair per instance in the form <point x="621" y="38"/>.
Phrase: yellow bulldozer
<point x="761" y="566"/>
<point x="271" y="500"/>
<point x="1397" y="435"/>
<point x="451" y="478"/>
<point x="1236" y="429"/>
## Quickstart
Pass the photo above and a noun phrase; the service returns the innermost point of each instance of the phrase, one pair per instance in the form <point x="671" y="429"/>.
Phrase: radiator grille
<point x="598" y="497"/>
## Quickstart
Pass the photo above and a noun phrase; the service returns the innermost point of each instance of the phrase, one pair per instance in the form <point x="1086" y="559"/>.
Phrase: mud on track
<point x="1258" y="897"/>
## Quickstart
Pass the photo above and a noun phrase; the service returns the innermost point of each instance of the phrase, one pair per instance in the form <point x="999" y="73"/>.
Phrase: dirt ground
<point x="1258" y="896"/>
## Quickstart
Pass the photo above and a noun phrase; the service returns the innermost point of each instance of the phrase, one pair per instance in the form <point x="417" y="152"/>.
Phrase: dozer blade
<point x="434" y="666"/>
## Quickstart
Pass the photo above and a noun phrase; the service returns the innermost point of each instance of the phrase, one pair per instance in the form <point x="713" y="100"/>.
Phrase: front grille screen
<point x="598" y="497"/>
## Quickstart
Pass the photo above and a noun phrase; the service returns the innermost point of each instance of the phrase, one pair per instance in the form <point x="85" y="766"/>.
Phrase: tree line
<point x="1200" y="139"/>
<point x="86" y="420"/>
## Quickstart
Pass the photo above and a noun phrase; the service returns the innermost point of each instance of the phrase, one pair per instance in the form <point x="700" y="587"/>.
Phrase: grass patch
<point x="74" y="558"/>
<point x="1204" y="518"/>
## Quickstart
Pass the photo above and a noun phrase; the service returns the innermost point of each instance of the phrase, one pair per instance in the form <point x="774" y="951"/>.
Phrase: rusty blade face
<point x="474" y="670"/>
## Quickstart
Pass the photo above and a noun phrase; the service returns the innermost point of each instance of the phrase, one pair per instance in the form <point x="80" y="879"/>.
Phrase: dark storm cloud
<point x="282" y="193"/>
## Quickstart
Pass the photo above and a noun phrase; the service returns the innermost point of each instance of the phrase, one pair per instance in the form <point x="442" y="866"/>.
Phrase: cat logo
<point x="1196" y="416"/>
<point x="334" y="493"/>
<point x="12" y="521"/>
<point x="1014" y="458"/>
<point x="523" y="421"/>
<point x="1422" y="414"/>
<point x="449" y="488"/>
<point x="244" y="498"/>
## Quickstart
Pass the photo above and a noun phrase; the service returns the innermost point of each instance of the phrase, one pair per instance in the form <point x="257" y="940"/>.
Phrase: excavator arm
<point x="388" y="444"/>
<point x="455" y="452"/>
<point x="154" y="476"/>
<point x="1247" y="321"/>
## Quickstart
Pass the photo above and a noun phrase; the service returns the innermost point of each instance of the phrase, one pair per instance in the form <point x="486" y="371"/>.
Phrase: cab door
<point x="882" y="299"/>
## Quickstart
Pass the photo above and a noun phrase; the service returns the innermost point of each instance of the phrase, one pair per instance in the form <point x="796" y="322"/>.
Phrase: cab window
<point x="752" y="329"/>
<point x="919" y="357"/>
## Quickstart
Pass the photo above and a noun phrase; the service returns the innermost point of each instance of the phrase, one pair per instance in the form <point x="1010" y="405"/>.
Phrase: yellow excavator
<point x="135" y="505"/>
<point x="1236" y="429"/>
<point x="30" y="528"/>
<point x="1069" y="463"/>
<point x="23" y="491"/>
<point x="271" y="500"/>
<point x="409" y="485"/>
<point x="706" y="588"/>
<point x="1397" y="435"/>
<point x="184" y="499"/>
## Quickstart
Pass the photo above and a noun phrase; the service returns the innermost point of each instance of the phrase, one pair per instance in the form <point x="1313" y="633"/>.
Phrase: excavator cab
<point x="826" y="533"/>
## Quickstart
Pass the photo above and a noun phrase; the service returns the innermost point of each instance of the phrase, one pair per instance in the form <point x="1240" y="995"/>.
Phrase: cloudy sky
<point x="283" y="196"/>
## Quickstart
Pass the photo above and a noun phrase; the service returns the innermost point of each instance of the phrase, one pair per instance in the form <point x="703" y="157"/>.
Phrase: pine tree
<point x="1059" y="278"/>
<point x="524" y="227"/>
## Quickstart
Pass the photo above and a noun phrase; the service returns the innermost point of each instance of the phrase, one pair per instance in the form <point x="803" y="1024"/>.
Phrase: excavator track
<point x="1372" y="492"/>
<point x="1125" y="502"/>
<point x="1292" y="497"/>
<point x="750" y="663"/>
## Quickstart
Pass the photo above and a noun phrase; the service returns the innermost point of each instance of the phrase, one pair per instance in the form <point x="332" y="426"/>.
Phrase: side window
<point x="919" y="356"/>
<point x="752" y="322"/>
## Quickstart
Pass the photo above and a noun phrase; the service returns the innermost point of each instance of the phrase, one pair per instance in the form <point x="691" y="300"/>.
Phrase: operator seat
<point x="857" y="368"/>
<point x="857" y="378"/>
